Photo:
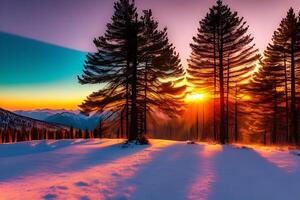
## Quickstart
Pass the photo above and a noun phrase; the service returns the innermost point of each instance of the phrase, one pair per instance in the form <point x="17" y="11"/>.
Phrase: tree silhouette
<point x="222" y="57"/>
<point x="266" y="99"/>
<point x="287" y="44"/>
<point x="274" y="86"/>
<point x="160" y="72"/>
<point x="114" y="66"/>
<point x="139" y="71"/>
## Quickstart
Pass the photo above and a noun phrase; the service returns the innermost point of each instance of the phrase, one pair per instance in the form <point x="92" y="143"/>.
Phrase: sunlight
<point x="99" y="179"/>
<point x="279" y="158"/>
<point x="195" y="97"/>
<point x="246" y="97"/>
<point x="211" y="149"/>
<point x="202" y="185"/>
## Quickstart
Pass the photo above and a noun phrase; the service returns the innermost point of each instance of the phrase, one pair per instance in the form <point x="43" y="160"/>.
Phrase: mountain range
<point x="66" y="117"/>
<point x="12" y="120"/>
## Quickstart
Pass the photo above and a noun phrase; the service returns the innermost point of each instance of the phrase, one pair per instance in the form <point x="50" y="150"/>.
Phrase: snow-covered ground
<point x="102" y="169"/>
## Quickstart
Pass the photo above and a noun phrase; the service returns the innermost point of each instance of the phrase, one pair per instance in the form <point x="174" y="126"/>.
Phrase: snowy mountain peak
<point x="12" y="120"/>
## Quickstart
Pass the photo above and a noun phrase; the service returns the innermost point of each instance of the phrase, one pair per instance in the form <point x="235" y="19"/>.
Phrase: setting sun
<point x="194" y="97"/>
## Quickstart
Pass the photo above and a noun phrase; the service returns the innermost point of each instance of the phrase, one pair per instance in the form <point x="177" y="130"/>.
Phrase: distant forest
<point x="249" y="97"/>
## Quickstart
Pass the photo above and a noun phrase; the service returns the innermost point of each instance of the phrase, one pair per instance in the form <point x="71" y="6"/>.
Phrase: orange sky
<point x="44" y="96"/>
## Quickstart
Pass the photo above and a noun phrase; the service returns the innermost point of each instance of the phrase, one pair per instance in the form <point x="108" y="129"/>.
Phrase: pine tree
<point x="287" y="45"/>
<point x="138" y="69"/>
<point x="114" y="66"/>
<point x="279" y="68"/>
<point x="160" y="72"/>
<point x="266" y="99"/>
<point x="71" y="133"/>
<point x="222" y="57"/>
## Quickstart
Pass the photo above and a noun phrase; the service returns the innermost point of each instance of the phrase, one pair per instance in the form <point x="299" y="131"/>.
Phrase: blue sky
<point x="28" y="62"/>
<point x="35" y="74"/>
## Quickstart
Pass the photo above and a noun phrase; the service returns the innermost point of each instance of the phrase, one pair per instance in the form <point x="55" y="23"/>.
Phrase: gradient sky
<point x="70" y="25"/>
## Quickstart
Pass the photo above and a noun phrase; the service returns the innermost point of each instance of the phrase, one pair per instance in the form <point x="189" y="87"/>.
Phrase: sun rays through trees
<point x="275" y="86"/>
<point x="223" y="56"/>
<point x="245" y="96"/>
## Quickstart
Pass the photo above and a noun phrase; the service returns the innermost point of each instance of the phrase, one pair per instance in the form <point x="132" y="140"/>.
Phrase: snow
<point x="103" y="169"/>
<point x="11" y="120"/>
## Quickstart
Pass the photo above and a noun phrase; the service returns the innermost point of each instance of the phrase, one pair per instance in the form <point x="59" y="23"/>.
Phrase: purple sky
<point x="74" y="23"/>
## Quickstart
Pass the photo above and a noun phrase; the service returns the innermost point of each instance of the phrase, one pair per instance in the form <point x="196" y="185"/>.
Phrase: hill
<point x="11" y="120"/>
<point x="66" y="117"/>
<point x="75" y="120"/>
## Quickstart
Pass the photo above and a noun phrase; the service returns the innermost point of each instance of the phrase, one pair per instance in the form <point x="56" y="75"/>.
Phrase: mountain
<point x="66" y="117"/>
<point x="11" y="120"/>
<point x="42" y="114"/>
<point x="75" y="120"/>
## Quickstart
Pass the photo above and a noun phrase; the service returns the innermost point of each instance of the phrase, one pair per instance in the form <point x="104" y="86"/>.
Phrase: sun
<point x="195" y="97"/>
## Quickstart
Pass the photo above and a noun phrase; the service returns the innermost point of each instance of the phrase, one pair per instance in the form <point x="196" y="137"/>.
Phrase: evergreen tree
<point x="71" y="133"/>
<point x="160" y="73"/>
<point x="114" y="66"/>
<point x="266" y="100"/>
<point x="278" y="71"/>
<point x="138" y="69"/>
<point x="222" y="57"/>
<point x="287" y="46"/>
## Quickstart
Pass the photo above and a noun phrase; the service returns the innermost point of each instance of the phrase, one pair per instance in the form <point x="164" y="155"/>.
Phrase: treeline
<point x="11" y="135"/>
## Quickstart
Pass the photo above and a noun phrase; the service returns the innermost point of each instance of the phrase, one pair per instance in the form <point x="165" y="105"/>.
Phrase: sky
<point x="60" y="32"/>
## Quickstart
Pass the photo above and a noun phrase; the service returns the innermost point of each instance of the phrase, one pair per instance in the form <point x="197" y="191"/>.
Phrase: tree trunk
<point x="145" y="100"/>
<point x="133" y="127"/>
<point x="215" y="89"/>
<point x="227" y="100"/>
<point x="265" y="137"/>
<point x="121" y="124"/>
<point x="286" y="101"/>
<point x="127" y="100"/>
<point x="221" y="81"/>
<point x="134" y="113"/>
<point x="294" y="120"/>
<point x="222" y="110"/>
<point x="236" y="136"/>
<point x="274" y="132"/>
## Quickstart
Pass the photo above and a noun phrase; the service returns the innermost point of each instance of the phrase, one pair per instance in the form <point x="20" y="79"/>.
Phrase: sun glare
<point x="194" y="97"/>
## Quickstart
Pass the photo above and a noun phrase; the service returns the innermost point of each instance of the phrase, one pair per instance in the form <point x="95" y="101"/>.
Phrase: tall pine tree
<point x="138" y="69"/>
<point x="280" y="66"/>
<point x="222" y="57"/>
<point x="114" y="67"/>
<point x="161" y="72"/>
